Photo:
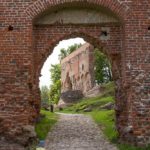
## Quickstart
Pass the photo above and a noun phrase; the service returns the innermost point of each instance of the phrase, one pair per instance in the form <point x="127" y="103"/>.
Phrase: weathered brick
<point x="25" y="47"/>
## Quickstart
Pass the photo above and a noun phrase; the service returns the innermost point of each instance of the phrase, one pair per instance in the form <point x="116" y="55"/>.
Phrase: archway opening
<point x="54" y="62"/>
<point x="79" y="64"/>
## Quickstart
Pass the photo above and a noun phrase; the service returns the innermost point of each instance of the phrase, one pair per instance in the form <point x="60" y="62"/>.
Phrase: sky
<point x="53" y="59"/>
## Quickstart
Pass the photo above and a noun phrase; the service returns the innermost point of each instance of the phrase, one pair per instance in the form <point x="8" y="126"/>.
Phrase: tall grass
<point x="45" y="124"/>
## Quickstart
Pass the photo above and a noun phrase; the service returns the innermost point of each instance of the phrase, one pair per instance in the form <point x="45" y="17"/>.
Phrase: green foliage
<point x="46" y="123"/>
<point x="104" y="118"/>
<point x="96" y="102"/>
<point x="65" y="52"/>
<point x="102" y="68"/>
<point x="72" y="48"/>
<point x="55" y="87"/>
<point x="55" y="72"/>
<point x="44" y="95"/>
<point x="92" y="103"/>
<point x="55" y="90"/>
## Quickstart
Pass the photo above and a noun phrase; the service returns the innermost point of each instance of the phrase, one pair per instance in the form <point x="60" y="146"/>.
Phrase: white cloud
<point x="53" y="59"/>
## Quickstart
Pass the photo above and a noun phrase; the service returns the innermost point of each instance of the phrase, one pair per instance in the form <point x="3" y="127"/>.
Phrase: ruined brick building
<point x="29" y="31"/>
<point x="77" y="70"/>
<point x="77" y="75"/>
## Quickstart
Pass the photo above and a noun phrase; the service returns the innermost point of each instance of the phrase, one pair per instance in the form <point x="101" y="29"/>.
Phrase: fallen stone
<point x="108" y="106"/>
<point x="87" y="110"/>
<point x="71" y="96"/>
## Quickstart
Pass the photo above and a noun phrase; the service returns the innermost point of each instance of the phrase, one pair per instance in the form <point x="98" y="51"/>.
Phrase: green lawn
<point x="46" y="123"/>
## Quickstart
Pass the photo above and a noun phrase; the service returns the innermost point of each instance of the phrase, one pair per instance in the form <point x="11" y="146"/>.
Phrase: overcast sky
<point x="53" y="59"/>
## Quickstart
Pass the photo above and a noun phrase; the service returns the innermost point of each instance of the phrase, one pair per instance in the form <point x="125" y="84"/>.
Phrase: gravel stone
<point x="76" y="132"/>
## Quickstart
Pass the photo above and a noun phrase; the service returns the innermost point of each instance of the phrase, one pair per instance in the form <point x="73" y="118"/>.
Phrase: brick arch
<point x="44" y="49"/>
<point x="40" y="6"/>
<point x="114" y="57"/>
<point x="19" y="50"/>
<point x="48" y="36"/>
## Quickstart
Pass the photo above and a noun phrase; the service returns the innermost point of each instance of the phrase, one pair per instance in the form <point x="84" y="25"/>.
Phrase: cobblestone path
<point x="76" y="132"/>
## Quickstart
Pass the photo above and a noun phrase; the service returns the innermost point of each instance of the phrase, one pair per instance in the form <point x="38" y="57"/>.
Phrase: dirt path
<point x="77" y="132"/>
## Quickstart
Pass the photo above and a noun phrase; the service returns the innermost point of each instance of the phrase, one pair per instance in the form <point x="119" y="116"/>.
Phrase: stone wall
<point x="25" y="45"/>
<point x="77" y="70"/>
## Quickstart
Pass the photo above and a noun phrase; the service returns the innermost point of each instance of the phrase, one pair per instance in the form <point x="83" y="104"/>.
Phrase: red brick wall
<point x="77" y="69"/>
<point x="24" y="49"/>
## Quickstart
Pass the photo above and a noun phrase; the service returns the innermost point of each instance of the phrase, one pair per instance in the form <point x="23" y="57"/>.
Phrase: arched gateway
<point x="29" y="30"/>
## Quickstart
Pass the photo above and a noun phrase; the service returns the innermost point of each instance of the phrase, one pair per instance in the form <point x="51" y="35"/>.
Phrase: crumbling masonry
<point x="77" y="70"/>
<point x="77" y="75"/>
<point x="29" y="31"/>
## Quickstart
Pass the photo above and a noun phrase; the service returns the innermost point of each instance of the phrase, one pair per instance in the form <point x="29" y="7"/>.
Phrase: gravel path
<point x="76" y="132"/>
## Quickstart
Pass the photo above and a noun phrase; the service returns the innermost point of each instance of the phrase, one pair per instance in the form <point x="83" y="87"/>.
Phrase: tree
<point x="65" y="52"/>
<point x="44" y="95"/>
<point x="102" y="68"/>
<point x="72" y="48"/>
<point x="55" y="72"/>
<point x="55" y="87"/>
<point x="55" y="91"/>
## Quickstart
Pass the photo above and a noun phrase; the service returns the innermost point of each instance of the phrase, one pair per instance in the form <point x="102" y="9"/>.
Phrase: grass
<point x="93" y="103"/>
<point x="104" y="118"/>
<point x="45" y="124"/>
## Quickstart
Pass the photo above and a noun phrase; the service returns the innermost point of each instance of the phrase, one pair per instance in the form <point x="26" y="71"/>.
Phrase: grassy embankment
<point x="46" y="122"/>
<point x="104" y="118"/>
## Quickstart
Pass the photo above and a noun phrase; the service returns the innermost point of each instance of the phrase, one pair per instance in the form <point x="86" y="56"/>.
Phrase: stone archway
<point x="114" y="56"/>
<point x="26" y="42"/>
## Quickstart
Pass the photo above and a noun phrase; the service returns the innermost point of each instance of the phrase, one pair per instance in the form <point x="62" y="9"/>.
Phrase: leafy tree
<point x="55" y="87"/>
<point x="102" y="68"/>
<point x="44" y="95"/>
<point x="55" y="73"/>
<point x="65" y="52"/>
<point x="55" y="91"/>
<point x="72" y="48"/>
